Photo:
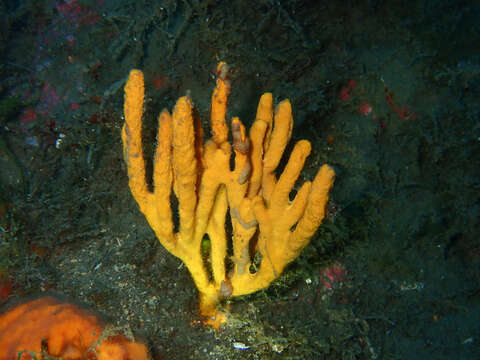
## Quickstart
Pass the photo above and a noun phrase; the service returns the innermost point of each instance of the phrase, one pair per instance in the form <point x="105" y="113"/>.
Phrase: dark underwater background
<point x="387" y="93"/>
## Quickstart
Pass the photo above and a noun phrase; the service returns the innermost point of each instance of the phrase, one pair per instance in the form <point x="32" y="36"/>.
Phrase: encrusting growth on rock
<point x="47" y="328"/>
<point x="264" y="219"/>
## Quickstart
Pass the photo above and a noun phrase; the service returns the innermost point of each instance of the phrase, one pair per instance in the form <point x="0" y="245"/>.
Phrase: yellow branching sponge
<point x="264" y="219"/>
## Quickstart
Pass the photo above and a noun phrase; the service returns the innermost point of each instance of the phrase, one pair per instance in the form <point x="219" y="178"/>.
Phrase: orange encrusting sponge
<point x="61" y="330"/>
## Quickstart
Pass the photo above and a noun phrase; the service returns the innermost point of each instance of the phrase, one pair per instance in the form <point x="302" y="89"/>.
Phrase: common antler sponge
<point x="48" y="326"/>
<point x="218" y="183"/>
